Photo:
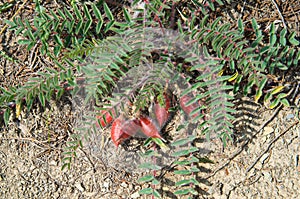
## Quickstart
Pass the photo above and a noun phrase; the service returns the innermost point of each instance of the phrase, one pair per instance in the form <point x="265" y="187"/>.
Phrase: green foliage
<point x="215" y="64"/>
<point x="189" y="165"/>
<point x="44" y="87"/>
<point x="250" y="62"/>
<point x="151" y="179"/>
<point x="7" y="57"/>
<point x="58" y="29"/>
<point x="70" y="151"/>
<point x="210" y="5"/>
<point x="62" y="29"/>
<point x="5" y="6"/>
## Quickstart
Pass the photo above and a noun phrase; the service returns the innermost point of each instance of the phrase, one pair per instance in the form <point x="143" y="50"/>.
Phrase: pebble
<point x="79" y="186"/>
<point x="130" y="187"/>
<point x="119" y="192"/>
<point x="218" y="196"/>
<point x="268" y="176"/>
<point x="106" y="185"/>
<point x="290" y="116"/>
<point x="55" y="195"/>
<point x="268" y="130"/>
<point x="53" y="163"/>
<point x="135" y="195"/>
<point x="124" y="184"/>
<point x="90" y="194"/>
<point x="264" y="157"/>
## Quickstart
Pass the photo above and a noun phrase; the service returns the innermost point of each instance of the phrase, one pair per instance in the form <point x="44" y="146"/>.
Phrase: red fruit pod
<point x="123" y="137"/>
<point x="162" y="113"/>
<point x="108" y="115"/>
<point x="117" y="134"/>
<point x="149" y="128"/>
<point x="188" y="109"/>
<point x="131" y="127"/>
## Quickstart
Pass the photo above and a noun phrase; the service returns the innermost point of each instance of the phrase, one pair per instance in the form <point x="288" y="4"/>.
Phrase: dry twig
<point x="269" y="146"/>
<point x="20" y="8"/>
<point x="245" y="143"/>
<point x="279" y="12"/>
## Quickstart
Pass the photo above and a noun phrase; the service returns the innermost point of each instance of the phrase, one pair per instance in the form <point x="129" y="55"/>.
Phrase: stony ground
<point x="263" y="162"/>
<point x="31" y="161"/>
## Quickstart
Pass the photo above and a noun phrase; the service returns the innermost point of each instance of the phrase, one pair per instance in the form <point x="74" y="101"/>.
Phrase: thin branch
<point x="17" y="12"/>
<point x="269" y="146"/>
<point x="245" y="143"/>
<point x="279" y="12"/>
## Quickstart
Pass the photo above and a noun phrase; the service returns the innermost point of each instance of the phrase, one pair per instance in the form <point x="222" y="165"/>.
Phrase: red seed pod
<point x="188" y="109"/>
<point x="108" y="118"/>
<point x="149" y="128"/>
<point x="131" y="127"/>
<point x="123" y="137"/>
<point x="162" y="113"/>
<point x="116" y="134"/>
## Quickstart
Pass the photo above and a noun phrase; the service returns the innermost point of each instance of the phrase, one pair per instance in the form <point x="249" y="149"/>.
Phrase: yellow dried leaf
<point x="277" y="90"/>
<point x="234" y="76"/>
<point x="18" y="110"/>
<point x="221" y="72"/>
<point x="257" y="96"/>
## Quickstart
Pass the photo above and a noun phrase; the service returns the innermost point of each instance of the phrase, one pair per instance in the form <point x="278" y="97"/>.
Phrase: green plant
<point x="152" y="178"/>
<point x="205" y="59"/>
<point x="5" y="6"/>
<point x="62" y="29"/>
<point x="54" y="30"/>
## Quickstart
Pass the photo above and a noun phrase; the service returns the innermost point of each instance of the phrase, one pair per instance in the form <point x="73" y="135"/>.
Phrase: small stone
<point x="119" y="192"/>
<point x="268" y="176"/>
<point x="264" y="157"/>
<point x="55" y="195"/>
<point x="106" y="185"/>
<point x="211" y="190"/>
<point x="124" y="184"/>
<point x="79" y="187"/>
<point x="135" y="195"/>
<point x="53" y="163"/>
<point x="90" y="194"/>
<point x="69" y="190"/>
<point x="130" y="187"/>
<point x="289" y="116"/>
<point x="268" y="130"/>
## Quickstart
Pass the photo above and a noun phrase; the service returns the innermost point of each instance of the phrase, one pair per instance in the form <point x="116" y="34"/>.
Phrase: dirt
<point x="31" y="146"/>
